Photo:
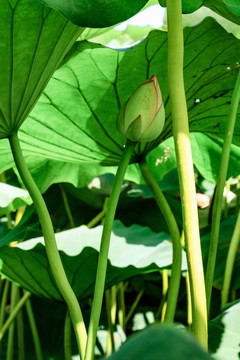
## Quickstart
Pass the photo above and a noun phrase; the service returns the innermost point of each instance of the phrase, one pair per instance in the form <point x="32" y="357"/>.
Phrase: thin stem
<point x="175" y="235"/>
<point x="185" y="169"/>
<point x="51" y="246"/>
<point x="110" y="344"/>
<point x="33" y="327"/>
<point x="103" y="253"/>
<point x="100" y="216"/>
<point x="230" y="262"/>
<point x="13" y="314"/>
<point x="20" y="330"/>
<point x="4" y="302"/>
<point x="227" y="188"/>
<point x="66" y="206"/>
<point x="134" y="306"/>
<point x="121" y="305"/>
<point x="3" y="306"/>
<point x="222" y="175"/>
<point x="67" y="337"/>
<point x="10" y="344"/>
<point x="164" y="292"/>
<point x="189" y="302"/>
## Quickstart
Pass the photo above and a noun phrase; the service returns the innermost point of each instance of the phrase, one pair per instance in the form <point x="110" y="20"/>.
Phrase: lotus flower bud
<point x="143" y="115"/>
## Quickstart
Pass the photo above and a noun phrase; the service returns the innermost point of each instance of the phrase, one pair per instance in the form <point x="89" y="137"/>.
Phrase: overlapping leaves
<point x="27" y="264"/>
<point x="74" y="121"/>
<point x="96" y="13"/>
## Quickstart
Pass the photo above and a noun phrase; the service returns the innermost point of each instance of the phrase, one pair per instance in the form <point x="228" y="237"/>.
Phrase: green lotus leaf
<point x="224" y="333"/>
<point x="33" y="42"/>
<point x="96" y="13"/>
<point x="161" y="342"/>
<point x="229" y="9"/>
<point x="133" y="250"/>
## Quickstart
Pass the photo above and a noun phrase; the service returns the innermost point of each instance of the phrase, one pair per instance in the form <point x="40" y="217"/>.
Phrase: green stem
<point x="230" y="262"/>
<point x="67" y="337"/>
<point x="189" y="302"/>
<point x="175" y="235"/>
<point x="217" y="204"/>
<point x="10" y="344"/>
<point x="50" y="245"/>
<point x="133" y="307"/>
<point x="121" y="305"/>
<point x="13" y="314"/>
<point x="66" y="206"/>
<point x="3" y="306"/>
<point x="165" y="288"/>
<point x="4" y="302"/>
<point x="185" y="169"/>
<point x="20" y="329"/>
<point x="103" y="253"/>
<point x="108" y="297"/>
<point x="96" y="219"/>
<point x="33" y="327"/>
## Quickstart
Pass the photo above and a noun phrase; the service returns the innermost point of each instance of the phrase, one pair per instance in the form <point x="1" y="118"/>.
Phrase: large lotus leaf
<point x="74" y="120"/>
<point x="229" y="9"/>
<point x="161" y="342"/>
<point x="133" y="250"/>
<point x="225" y="235"/>
<point x="33" y="42"/>
<point x="224" y="334"/>
<point x="12" y="198"/>
<point x="78" y="108"/>
<point x="96" y="13"/>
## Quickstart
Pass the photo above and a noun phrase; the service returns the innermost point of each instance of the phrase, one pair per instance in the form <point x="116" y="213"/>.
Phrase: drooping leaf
<point x="12" y="198"/>
<point x="133" y="250"/>
<point x="33" y="42"/>
<point x="224" y="334"/>
<point x="161" y="342"/>
<point x="96" y="13"/>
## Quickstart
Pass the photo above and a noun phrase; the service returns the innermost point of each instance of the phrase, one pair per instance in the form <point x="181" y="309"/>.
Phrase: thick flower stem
<point x="222" y="175"/>
<point x="175" y="235"/>
<point x="103" y="254"/>
<point x="185" y="169"/>
<point x="50" y="244"/>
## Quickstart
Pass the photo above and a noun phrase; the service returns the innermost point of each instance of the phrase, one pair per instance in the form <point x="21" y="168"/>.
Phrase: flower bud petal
<point x="134" y="130"/>
<point x="142" y="117"/>
<point x="155" y="128"/>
